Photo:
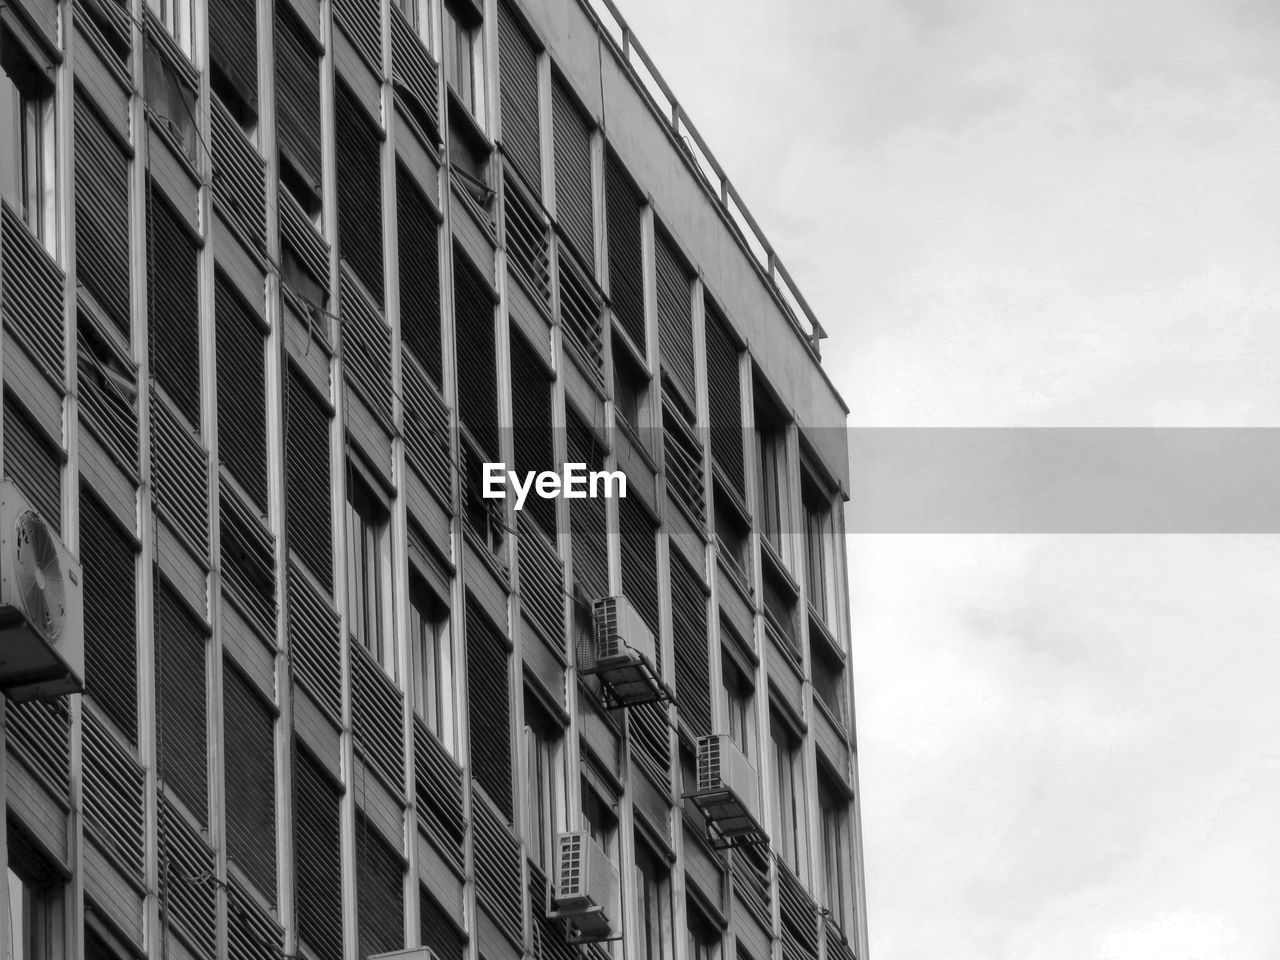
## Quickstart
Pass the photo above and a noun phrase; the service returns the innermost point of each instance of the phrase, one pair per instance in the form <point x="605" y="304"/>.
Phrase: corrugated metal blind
<point x="242" y="390"/>
<point x="377" y="717"/>
<point x="248" y="562"/>
<point x="477" y="360"/>
<point x="180" y="477"/>
<point x="587" y="525"/>
<point x="108" y="561"/>
<point x="415" y="73"/>
<point x="250" y="765"/>
<point x="251" y="932"/>
<point x="439" y="794"/>
<point x="426" y="431"/>
<point x="418" y="226"/>
<point x="489" y="702"/>
<point x="191" y="905"/>
<point x="113" y="795"/>
<point x="571" y="140"/>
<point x="682" y="460"/>
<point x="379" y="891"/>
<point x="497" y="866"/>
<point x="366" y="349"/>
<point x="33" y="461"/>
<point x="692" y="658"/>
<point x="581" y="317"/>
<point x="623" y="208"/>
<point x="317" y="857"/>
<point x="527" y="233"/>
<point x="541" y="583"/>
<point x="359" y="191"/>
<point x="550" y="935"/>
<point x="518" y="97"/>
<point x="298" y="95"/>
<point x="108" y="409"/>
<point x="314" y="642"/>
<point x="675" y="314"/>
<point x="308" y="509"/>
<point x="39" y="733"/>
<point x="362" y="20"/>
<point x="102" y="213"/>
<point x="174" y="315"/>
<point x="439" y="932"/>
<point x="181" y="708"/>
<point x="531" y="423"/>
<point x="31" y="292"/>
<point x="640" y="561"/>
<point x="724" y="400"/>
<point x="239" y="177"/>
<point x="233" y="45"/>
<point x="799" y="916"/>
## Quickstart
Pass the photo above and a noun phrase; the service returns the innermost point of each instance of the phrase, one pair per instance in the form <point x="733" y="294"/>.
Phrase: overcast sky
<point x="1032" y="214"/>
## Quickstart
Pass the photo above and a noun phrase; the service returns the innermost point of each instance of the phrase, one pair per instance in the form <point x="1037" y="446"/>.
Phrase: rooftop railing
<point x="667" y="106"/>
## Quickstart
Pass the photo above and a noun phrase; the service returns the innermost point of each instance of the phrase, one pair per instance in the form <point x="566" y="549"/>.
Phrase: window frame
<point x="786" y="774"/>
<point x="370" y="625"/>
<point x="653" y="903"/>
<point x="440" y="717"/>
<point x="740" y="710"/>
<point x="833" y="812"/>
<point x="545" y="780"/>
<point x="28" y="99"/>
<point x="462" y="38"/>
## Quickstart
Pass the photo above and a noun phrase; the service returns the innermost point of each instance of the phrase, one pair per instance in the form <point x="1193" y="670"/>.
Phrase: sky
<point x="1033" y="215"/>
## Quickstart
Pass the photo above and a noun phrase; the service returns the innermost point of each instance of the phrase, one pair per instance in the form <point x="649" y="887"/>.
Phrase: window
<point x="652" y="891"/>
<point x="27" y="172"/>
<point x="835" y="854"/>
<point x="433" y="648"/>
<point x="233" y="58"/>
<point x="780" y="611"/>
<point x="545" y="772"/>
<point x="820" y="551"/>
<point x="369" y="573"/>
<point x="176" y="17"/>
<point x="733" y="536"/>
<point x="827" y="668"/>
<point x="739" y="694"/>
<point x="171" y="100"/>
<point x="297" y="63"/>
<point x="630" y="388"/>
<point x="771" y="440"/>
<point x="462" y="58"/>
<point x="35" y="917"/>
<point x="624" y="219"/>
<point x="418" y="13"/>
<point x="600" y="820"/>
<point x="703" y="938"/>
<point x="788" y="792"/>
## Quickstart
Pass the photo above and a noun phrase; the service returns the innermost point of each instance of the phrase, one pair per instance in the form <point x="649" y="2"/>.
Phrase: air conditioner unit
<point x="622" y="638"/>
<point x="586" y="889"/>
<point x="728" y="792"/>
<point x="413" y="953"/>
<point x="41" y="605"/>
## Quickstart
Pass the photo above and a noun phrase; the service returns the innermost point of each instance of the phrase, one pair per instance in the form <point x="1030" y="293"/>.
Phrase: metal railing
<point x="667" y="106"/>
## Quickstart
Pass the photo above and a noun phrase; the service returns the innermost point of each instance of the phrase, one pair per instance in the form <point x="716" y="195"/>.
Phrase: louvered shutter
<point x="102" y="213"/>
<point x="477" y="360"/>
<point x="248" y="561"/>
<point x="489" y="699"/>
<point x="439" y="932"/>
<point x="571" y="141"/>
<point x="359" y="148"/>
<point x="174" y="318"/>
<point x="379" y="892"/>
<point x="33" y="461"/>
<point x="639" y="561"/>
<point x="518" y="96"/>
<point x="242" y="386"/>
<point x="531" y="419"/>
<point x="298" y="96"/>
<point x="623" y="209"/>
<point x="724" y="400"/>
<point x="317" y="857"/>
<point x="418" y="225"/>
<point x="675" y="313"/>
<point x="692" y="657"/>
<point x="587" y="530"/>
<point x="181" y="709"/>
<point x="308" y="491"/>
<point x="233" y="46"/>
<point x="249" y="732"/>
<point x="107" y="559"/>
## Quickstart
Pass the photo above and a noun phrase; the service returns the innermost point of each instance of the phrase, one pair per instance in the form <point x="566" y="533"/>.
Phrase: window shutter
<point x="239" y="177"/>
<point x="359" y="150"/>
<point x="571" y="140"/>
<point x="181" y="710"/>
<point x="489" y="700"/>
<point x="33" y="461"/>
<point x="675" y="314"/>
<point x="518" y="96"/>
<point x="252" y="932"/>
<point x="531" y="421"/>
<point x="113" y="791"/>
<point x="724" y="400"/>
<point x="233" y="45"/>
<point x="317" y="857"/>
<point x="477" y="361"/>
<point x="439" y="932"/>
<point x="624" y="207"/>
<point x="242" y="390"/>
<point x="640" y="563"/>
<point x="362" y="21"/>
<point x="497" y="871"/>
<point x="588" y="533"/>
<point x="102" y="213"/>
<point x="379" y="891"/>
<point x="692" y="659"/>
<point x="308" y="509"/>
<point x="248" y="561"/>
<point x="298" y="96"/>
<point x="108" y="409"/>
<point x="418" y="225"/>
<point x="180" y="477"/>
<point x="191" y="908"/>
<point x="174" y="318"/>
<point x="249" y="731"/>
<point x="377" y="717"/>
<point x="439" y="786"/>
<point x="108" y="564"/>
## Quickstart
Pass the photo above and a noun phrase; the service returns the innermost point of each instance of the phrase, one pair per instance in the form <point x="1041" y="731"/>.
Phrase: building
<point x="276" y="286"/>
